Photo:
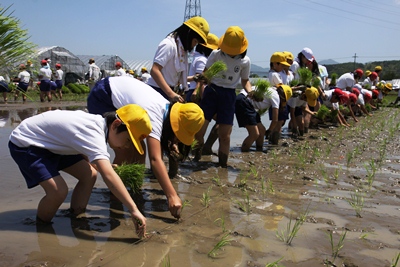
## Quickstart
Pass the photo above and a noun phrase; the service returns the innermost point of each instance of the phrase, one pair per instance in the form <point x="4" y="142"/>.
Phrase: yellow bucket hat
<point x="212" y="41"/>
<point x="233" y="42"/>
<point x="288" y="55"/>
<point x="367" y="73"/>
<point x="378" y="68"/>
<point x="199" y="25"/>
<point x="137" y="122"/>
<point x="287" y="90"/>
<point x="388" y="86"/>
<point x="186" y="120"/>
<point x="312" y="95"/>
<point x="279" y="57"/>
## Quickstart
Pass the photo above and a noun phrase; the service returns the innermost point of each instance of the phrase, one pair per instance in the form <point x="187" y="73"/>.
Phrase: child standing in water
<point x="220" y="95"/>
<point x="76" y="143"/>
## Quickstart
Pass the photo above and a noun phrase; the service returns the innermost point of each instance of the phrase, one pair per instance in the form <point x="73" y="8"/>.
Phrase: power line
<point x="372" y="7"/>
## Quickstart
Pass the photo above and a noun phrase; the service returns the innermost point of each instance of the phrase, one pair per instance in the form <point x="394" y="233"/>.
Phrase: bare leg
<point x="86" y="176"/>
<point x="252" y="136"/>
<point x="56" y="191"/>
<point x="224" y="135"/>
<point x="212" y="137"/>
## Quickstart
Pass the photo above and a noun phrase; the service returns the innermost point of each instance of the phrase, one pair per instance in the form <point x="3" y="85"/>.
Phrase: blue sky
<point x="333" y="29"/>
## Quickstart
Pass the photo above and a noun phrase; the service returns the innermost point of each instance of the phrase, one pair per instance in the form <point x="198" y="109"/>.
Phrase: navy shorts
<point x="282" y="115"/>
<point x="219" y="101"/>
<point x="189" y="94"/>
<point x="23" y="86"/>
<point x="59" y="84"/>
<point x="99" y="99"/>
<point x="245" y="112"/>
<point x="53" y="86"/>
<point x="38" y="164"/>
<point x="161" y="92"/>
<point x="298" y="111"/>
<point x="4" y="87"/>
<point x="45" y="85"/>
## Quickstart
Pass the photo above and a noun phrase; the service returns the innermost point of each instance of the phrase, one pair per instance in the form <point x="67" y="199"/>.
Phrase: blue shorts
<point x="99" y="99"/>
<point x="245" y="112"/>
<point x="53" y="86"/>
<point x="161" y="92"/>
<point x="23" y="86"/>
<point x="282" y="115"/>
<point x="189" y="94"/>
<point x="4" y="87"/>
<point x="44" y="85"/>
<point x="219" y="101"/>
<point x="59" y="84"/>
<point x="38" y="164"/>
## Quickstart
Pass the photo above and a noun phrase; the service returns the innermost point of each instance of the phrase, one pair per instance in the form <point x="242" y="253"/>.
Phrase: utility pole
<point x="355" y="59"/>
<point x="192" y="9"/>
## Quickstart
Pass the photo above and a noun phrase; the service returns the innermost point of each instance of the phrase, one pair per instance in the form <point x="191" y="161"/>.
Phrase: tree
<point x="14" y="44"/>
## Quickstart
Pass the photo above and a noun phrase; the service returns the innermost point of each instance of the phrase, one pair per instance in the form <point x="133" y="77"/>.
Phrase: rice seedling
<point x="322" y="112"/>
<point x="254" y="171"/>
<point x="217" y="180"/>
<point x="245" y="205"/>
<point x="371" y="170"/>
<point x="215" y="70"/>
<point x="224" y="241"/>
<point x="293" y="83"/>
<point x="333" y="79"/>
<point x="395" y="260"/>
<point x="186" y="203"/>
<point x="349" y="157"/>
<point x="166" y="262"/>
<point x="221" y="222"/>
<point x="324" y="174"/>
<point x="336" y="173"/>
<point x="206" y="199"/>
<point x="287" y="235"/>
<point x="132" y="175"/>
<point x="305" y="76"/>
<point x="336" y="247"/>
<point x="357" y="202"/>
<point x="275" y="263"/>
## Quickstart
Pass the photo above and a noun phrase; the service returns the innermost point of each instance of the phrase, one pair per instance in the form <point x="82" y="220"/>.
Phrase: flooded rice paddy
<point x="338" y="188"/>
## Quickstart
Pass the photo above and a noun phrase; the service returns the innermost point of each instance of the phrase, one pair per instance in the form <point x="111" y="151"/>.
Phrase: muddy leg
<point x="212" y="137"/>
<point x="222" y="159"/>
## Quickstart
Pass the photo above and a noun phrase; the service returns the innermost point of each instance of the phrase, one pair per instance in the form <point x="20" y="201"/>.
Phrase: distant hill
<point x="260" y="71"/>
<point x="327" y="62"/>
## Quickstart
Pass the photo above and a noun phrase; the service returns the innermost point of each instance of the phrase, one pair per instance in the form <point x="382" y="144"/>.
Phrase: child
<point x="45" y="82"/>
<point x="4" y="89"/>
<point x="170" y="123"/>
<point x="76" y="143"/>
<point x="303" y="60"/>
<point x="170" y="62"/>
<point x="248" y="116"/>
<point x="58" y="76"/>
<point x="23" y="82"/>
<point x="277" y="63"/>
<point x="220" y="95"/>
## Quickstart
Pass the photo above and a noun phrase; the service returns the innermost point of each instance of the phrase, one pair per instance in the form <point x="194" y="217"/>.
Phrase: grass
<point x="166" y="262"/>
<point x="224" y="241"/>
<point x="395" y="260"/>
<point x="245" y="205"/>
<point x="275" y="263"/>
<point x="206" y="199"/>
<point x="221" y="222"/>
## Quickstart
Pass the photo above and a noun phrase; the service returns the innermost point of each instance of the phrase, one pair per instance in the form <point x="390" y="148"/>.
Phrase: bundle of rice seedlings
<point x="261" y="89"/>
<point x="333" y="114"/>
<point x="368" y="107"/>
<point x="366" y="86"/>
<point x="316" y="82"/>
<point x="293" y="83"/>
<point x="333" y="79"/>
<point x="132" y="175"/>
<point x="305" y="76"/>
<point x="322" y="112"/>
<point x="215" y="69"/>
<point x="344" y="110"/>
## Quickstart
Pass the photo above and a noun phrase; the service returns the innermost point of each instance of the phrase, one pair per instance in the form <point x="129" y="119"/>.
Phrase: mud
<point x="249" y="204"/>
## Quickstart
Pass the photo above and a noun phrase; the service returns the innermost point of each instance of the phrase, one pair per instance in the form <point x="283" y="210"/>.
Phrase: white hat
<point x="307" y="52"/>
<point x="2" y="79"/>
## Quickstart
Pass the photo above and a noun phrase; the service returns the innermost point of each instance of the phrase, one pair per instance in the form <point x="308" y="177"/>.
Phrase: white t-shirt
<point x="197" y="66"/>
<point x="369" y="82"/>
<point x="272" y="100"/>
<point x="294" y="102"/>
<point x="237" y="68"/>
<point x="125" y="90"/>
<point x="287" y="77"/>
<point x="274" y="78"/>
<point x="64" y="132"/>
<point x="24" y="76"/>
<point x="120" y="72"/>
<point x="45" y="73"/>
<point x="165" y="57"/>
<point x="58" y="75"/>
<point x="345" y="80"/>
<point x="294" y="67"/>
<point x="327" y="102"/>
<point x="94" y="72"/>
<point x="145" y="77"/>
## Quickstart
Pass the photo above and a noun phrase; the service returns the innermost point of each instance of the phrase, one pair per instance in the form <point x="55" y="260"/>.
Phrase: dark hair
<point x="186" y="35"/>
<point x="242" y="55"/>
<point x="315" y="68"/>
<point x="167" y="134"/>
<point x="203" y="50"/>
<point x="110" y="117"/>
<point x="299" y="56"/>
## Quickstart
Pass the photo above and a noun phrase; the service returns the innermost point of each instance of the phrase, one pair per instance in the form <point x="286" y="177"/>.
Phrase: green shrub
<point x="74" y="88"/>
<point x="65" y="90"/>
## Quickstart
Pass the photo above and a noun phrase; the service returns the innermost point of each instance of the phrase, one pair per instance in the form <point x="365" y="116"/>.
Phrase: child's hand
<point x="140" y="223"/>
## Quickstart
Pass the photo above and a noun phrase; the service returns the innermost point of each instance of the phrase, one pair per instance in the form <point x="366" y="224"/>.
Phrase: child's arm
<point x="117" y="187"/>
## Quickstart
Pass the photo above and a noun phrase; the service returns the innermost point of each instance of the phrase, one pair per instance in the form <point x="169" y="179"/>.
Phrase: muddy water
<point x="256" y="196"/>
